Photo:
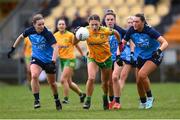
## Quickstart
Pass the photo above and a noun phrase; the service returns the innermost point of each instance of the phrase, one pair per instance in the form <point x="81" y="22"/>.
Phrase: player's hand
<point x="119" y="61"/>
<point x="132" y="58"/>
<point x="10" y="52"/>
<point x="121" y="46"/>
<point x="84" y="59"/>
<point x="156" y="54"/>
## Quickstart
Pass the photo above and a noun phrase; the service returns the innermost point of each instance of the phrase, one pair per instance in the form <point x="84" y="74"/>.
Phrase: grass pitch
<point x="17" y="102"/>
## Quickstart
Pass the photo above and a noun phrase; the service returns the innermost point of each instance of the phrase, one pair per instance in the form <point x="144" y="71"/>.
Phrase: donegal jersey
<point x="98" y="44"/>
<point x="41" y="43"/>
<point x="145" y="41"/>
<point x="27" y="47"/>
<point x="65" y="44"/>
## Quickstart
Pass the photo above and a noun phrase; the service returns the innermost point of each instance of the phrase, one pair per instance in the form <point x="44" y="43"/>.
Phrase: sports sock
<point x="149" y="94"/>
<point x="143" y="99"/>
<point x="88" y="98"/>
<point x="36" y="96"/>
<point x="80" y="94"/>
<point x="117" y="99"/>
<point x="56" y="97"/>
<point x="111" y="98"/>
<point x="66" y="98"/>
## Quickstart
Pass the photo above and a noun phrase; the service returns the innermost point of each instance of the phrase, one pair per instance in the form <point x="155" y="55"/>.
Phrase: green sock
<point x="105" y="96"/>
<point x="88" y="98"/>
<point x="66" y="98"/>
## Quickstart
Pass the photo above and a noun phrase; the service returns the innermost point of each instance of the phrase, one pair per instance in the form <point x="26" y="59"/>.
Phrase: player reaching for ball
<point x="99" y="57"/>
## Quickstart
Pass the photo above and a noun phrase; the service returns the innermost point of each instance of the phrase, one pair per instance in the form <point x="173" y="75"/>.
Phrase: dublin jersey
<point x="113" y="46"/>
<point x="41" y="43"/>
<point x="145" y="41"/>
<point x="126" y="54"/>
<point x="113" y="41"/>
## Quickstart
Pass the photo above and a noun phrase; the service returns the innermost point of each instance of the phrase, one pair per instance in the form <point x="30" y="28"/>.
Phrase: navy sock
<point x="80" y="94"/>
<point x="56" y="96"/>
<point x="36" y="96"/>
<point x="117" y="99"/>
<point x="149" y="94"/>
<point x="111" y="98"/>
<point x="143" y="99"/>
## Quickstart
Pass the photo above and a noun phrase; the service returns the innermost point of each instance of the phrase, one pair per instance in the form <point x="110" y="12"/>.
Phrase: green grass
<point x="17" y="102"/>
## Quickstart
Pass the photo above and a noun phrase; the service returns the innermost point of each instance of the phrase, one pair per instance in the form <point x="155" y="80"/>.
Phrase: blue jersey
<point x="113" y="46"/>
<point x="114" y="42"/>
<point x="41" y="43"/>
<point x="126" y="54"/>
<point x="145" y="41"/>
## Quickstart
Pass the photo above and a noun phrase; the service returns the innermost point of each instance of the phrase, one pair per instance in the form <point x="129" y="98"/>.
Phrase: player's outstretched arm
<point x="18" y="40"/>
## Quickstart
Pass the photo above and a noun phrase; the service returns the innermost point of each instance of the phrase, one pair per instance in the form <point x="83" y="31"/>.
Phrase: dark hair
<point x="110" y="13"/>
<point x="94" y="17"/>
<point x="141" y="16"/>
<point x="37" y="17"/>
<point x="63" y="19"/>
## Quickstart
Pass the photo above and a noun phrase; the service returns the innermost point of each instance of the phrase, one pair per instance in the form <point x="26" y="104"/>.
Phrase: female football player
<point x="151" y="46"/>
<point x="64" y="40"/>
<point x="44" y="53"/>
<point x="99" y="57"/>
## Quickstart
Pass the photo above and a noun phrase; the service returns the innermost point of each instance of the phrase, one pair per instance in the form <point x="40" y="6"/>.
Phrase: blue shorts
<point x="43" y="65"/>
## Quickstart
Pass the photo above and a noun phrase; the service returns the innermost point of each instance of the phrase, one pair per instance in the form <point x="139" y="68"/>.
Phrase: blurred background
<point x="15" y="16"/>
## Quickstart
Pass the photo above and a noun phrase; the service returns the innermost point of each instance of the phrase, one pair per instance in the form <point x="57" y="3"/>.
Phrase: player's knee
<point x="123" y="76"/>
<point x="91" y="79"/>
<point x="52" y="83"/>
<point x="34" y="76"/>
<point x="142" y="75"/>
<point x="63" y="81"/>
<point x="115" y="78"/>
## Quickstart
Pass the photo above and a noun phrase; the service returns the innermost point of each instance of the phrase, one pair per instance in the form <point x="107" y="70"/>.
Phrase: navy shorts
<point x="128" y="62"/>
<point x="44" y="66"/>
<point x="141" y="62"/>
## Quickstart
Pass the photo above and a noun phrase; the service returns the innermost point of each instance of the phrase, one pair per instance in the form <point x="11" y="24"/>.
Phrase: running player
<point x="128" y="56"/>
<point x="151" y="46"/>
<point x="99" y="57"/>
<point x="110" y="21"/>
<point x="44" y="53"/>
<point x="67" y="60"/>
